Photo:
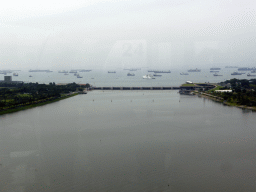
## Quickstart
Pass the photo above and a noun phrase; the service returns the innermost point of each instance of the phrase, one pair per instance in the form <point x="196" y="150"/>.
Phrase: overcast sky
<point x="54" y="34"/>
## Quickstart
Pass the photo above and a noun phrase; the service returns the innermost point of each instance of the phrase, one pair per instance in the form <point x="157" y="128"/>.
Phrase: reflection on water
<point x="88" y="143"/>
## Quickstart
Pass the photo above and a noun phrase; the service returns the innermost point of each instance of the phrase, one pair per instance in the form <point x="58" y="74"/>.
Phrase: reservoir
<point x="129" y="141"/>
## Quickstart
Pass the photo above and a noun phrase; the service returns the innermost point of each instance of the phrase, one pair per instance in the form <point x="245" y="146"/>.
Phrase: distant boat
<point x="236" y="73"/>
<point x="157" y="75"/>
<point x="215" y="68"/>
<point x="75" y="74"/>
<point x="78" y="76"/>
<point x="15" y="74"/>
<point x="62" y="71"/>
<point x="84" y="70"/>
<point x="231" y="67"/>
<point x="253" y="71"/>
<point x="30" y="75"/>
<point x="251" y="75"/>
<point x="214" y="71"/>
<point x="111" y="71"/>
<point x="184" y="73"/>
<point x="66" y="74"/>
<point x="194" y="70"/>
<point x="216" y="74"/>
<point x="73" y="71"/>
<point x="130" y="74"/>
<point x="246" y="69"/>
<point x="37" y="70"/>
<point x="157" y="71"/>
<point x="148" y="76"/>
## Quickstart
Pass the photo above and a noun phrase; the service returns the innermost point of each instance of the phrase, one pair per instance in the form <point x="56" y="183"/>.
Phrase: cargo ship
<point x="184" y="73"/>
<point x="62" y="71"/>
<point x="194" y="70"/>
<point x="157" y="71"/>
<point x="85" y="70"/>
<point x="216" y="74"/>
<point x="73" y="71"/>
<point x="130" y="74"/>
<point x="38" y="70"/>
<point x="246" y="69"/>
<point x="214" y="71"/>
<point x="231" y="67"/>
<point x="236" y="73"/>
<point x="111" y="71"/>
<point x="249" y="75"/>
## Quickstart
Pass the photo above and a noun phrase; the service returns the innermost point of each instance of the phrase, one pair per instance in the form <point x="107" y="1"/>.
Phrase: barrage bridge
<point x="134" y="88"/>
<point x="151" y="88"/>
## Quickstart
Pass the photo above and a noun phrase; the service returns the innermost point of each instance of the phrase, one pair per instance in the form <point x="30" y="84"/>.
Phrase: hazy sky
<point x="127" y="33"/>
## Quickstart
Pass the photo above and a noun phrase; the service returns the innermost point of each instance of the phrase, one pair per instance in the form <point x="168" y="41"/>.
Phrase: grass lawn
<point x="188" y="85"/>
<point x="216" y="88"/>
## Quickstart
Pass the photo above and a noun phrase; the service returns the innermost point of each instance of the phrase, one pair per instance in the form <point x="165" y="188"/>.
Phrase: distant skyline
<point x="126" y="34"/>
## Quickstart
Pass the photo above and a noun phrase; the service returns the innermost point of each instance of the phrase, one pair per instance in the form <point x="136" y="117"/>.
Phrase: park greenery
<point x="243" y="92"/>
<point x="16" y="95"/>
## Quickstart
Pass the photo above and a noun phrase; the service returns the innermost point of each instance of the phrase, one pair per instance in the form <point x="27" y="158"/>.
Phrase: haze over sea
<point x="120" y="78"/>
<point x="128" y="140"/>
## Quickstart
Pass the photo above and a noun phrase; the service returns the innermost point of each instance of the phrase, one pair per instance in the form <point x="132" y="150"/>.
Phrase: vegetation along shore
<point x="234" y="92"/>
<point x="19" y="96"/>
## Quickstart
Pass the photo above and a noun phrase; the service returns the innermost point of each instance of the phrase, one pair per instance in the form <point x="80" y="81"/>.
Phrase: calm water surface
<point x="128" y="141"/>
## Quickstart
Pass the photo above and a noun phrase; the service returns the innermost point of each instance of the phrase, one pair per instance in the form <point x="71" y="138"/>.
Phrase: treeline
<point x="243" y="91"/>
<point x="22" y="94"/>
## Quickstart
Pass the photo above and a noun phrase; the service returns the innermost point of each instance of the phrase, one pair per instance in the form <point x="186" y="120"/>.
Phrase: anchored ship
<point x="84" y="70"/>
<point x="194" y="70"/>
<point x="130" y="74"/>
<point x="148" y="76"/>
<point x="157" y="71"/>
<point x="246" y="69"/>
<point x="251" y="75"/>
<point x="236" y="73"/>
<point x="62" y="71"/>
<point x="38" y="70"/>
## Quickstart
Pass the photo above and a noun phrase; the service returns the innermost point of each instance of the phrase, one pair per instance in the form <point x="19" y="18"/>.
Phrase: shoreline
<point x="220" y="100"/>
<point x="29" y="106"/>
